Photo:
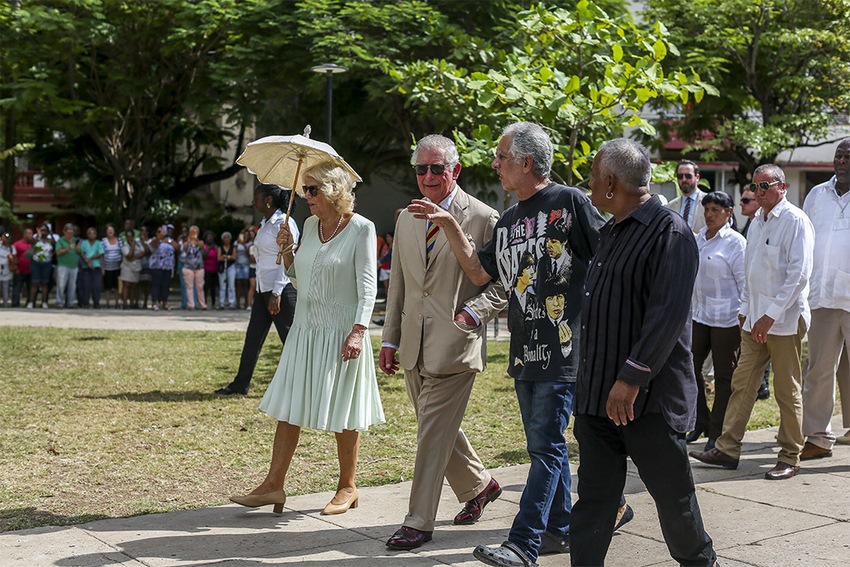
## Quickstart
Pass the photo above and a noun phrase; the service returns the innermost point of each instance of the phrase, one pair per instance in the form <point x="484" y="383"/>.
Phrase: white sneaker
<point x="45" y="306"/>
<point x="29" y="305"/>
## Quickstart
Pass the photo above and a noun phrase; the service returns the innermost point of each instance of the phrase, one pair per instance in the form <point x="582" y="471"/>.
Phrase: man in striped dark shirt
<point x="636" y="389"/>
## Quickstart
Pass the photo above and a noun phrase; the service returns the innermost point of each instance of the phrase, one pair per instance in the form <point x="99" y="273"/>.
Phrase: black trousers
<point x="20" y="283"/>
<point x="660" y="455"/>
<point x="258" y="329"/>
<point x="725" y="346"/>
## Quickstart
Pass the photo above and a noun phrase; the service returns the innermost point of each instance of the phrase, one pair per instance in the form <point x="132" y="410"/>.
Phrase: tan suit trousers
<point x="442" y="448"/>
<point x="785" y="352"/>
<point x="830" y="332"/>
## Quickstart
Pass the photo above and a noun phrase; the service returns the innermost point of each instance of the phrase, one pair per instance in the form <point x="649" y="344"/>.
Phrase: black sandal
<point x="507" y="555"/>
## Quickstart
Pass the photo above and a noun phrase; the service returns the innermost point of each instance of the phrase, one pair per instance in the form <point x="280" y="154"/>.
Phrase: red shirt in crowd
<point x="22" y="246"/>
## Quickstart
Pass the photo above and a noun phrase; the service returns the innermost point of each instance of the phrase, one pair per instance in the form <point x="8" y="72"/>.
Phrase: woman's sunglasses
<point x="311" y="190"/>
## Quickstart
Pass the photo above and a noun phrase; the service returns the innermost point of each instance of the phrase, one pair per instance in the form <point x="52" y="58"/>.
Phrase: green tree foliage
<point x="581" y="73"/>
<point x="123" y="99"/>
<point x="134" y="103"/>
<point x="782" y="68"/>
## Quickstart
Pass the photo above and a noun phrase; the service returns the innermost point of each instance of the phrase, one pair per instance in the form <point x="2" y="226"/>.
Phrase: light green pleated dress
<point x="336" y="282"/>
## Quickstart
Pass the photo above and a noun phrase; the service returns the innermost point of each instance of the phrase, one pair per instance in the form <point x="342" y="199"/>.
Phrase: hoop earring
<point x="609" y="195"/>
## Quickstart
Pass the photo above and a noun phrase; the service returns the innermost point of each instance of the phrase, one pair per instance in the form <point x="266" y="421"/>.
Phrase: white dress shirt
<point x="830" y="216"/>
<point x="778" y="264"/>
<point x="271" y="276"/>
<point x="720" y="278"/>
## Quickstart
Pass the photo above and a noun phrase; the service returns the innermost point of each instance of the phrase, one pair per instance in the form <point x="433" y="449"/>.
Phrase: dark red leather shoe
<point x="408" y="538"/>
<point x="473" y="509"/>
<point x="715" y="457"/>
<point x="781" y="471"/>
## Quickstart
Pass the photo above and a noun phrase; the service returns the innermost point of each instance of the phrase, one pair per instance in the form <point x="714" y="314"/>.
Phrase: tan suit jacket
<point x="699" y="212"/>
<point x="423" y="299"/>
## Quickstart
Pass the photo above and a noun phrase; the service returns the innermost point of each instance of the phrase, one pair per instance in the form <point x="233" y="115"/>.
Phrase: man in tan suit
<point x="436" y="319"/>
<point x="689" y="203"/>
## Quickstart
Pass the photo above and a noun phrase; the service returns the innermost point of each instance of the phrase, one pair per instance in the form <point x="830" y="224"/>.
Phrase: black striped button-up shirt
<point x="636" y="314"/>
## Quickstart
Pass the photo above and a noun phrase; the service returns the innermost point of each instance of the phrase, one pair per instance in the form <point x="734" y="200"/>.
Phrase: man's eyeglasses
<point x="311" y="190"/>
<point x="685" y="175"/>
<point x="746" y="200"/>
<point x="436" y="168"/>
<point x="763" y="186"/>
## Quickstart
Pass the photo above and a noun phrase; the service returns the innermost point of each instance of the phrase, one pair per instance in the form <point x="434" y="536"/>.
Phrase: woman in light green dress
<point x="326" y="377"/>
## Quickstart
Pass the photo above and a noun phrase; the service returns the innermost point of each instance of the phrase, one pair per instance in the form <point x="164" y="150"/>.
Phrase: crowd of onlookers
<point x="130" y="269"/>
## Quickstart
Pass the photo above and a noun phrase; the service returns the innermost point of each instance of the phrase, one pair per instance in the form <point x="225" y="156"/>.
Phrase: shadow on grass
<point x="27" y="518"/>
<point x="512" y="457"/>
<point x="160" y="396"/>
<point x="93" y="339"/>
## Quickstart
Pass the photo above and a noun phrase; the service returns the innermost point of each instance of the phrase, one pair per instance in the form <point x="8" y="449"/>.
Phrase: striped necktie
<point x="687" y="212"/>
<point x="430" y="239"/>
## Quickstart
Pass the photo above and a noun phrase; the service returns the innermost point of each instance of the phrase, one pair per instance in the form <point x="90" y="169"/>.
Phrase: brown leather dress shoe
<point x="475" y="507"/>
<point x="408" y="538"/>
<point x="715" y="457"/>
<point x="781" y="471"/>
<point x="811" y="451"/>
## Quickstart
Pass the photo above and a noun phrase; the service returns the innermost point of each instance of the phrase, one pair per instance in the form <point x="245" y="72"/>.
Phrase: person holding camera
<point x="192" y="258"/>
<point x="67" y="263"/>
<point x="132" y="252"/>
<point x="91" y="282"/>
<point x="163" y="252"/>
<point x="226" y="271"/>
<point x="8" y="263"/>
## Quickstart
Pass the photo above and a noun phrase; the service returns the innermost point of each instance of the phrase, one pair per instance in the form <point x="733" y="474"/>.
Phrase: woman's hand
<point x="284" y="237"/>
<point x="353" y="343"/>
<point x="274" y="304"/>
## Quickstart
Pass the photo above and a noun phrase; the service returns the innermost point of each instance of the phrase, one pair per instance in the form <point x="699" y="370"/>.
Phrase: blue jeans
<point x="66" y="286"/>
<point x="227" y="286"/>
<point x="545" y="504"/>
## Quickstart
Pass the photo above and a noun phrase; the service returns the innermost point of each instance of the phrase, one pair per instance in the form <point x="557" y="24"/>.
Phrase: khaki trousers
<point x="442" y="451"/>
<point x="829" y="334"/>
<point x="785" y="352"/>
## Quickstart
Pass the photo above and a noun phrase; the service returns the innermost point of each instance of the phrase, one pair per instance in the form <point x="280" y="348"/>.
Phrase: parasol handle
<point x="289" y="206"/>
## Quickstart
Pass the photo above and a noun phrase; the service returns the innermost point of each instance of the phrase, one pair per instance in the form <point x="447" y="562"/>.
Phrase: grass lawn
<point x="97" y="424"/>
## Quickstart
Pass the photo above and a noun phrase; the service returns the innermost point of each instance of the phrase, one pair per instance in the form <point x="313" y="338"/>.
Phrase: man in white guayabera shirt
<point x="774" y="317"/>
<point x="828" y="207"/>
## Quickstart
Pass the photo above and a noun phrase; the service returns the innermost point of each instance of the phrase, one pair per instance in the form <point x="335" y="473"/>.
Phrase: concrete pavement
<point x="754" y="522"/>
<point x="804" y="521"/>
<point x="175" y="319"/>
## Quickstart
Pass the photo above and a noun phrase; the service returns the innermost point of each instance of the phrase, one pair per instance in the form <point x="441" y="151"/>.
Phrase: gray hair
<point x="227" y="234"/>
<point x="437" y="142"/>
<point x="628" y="161"/>
<point x="530" y="140"/>
<point x="774" y="171"/>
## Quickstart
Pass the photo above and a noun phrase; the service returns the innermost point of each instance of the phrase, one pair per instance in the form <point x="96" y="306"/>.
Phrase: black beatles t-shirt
<point x="540" y="251"/>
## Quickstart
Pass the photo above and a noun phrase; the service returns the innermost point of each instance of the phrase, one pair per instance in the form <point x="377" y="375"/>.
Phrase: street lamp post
<point x="329" y="69"/>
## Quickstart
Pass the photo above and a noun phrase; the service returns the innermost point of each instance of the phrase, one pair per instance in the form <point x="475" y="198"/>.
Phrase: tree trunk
<point x="9" y="172"/>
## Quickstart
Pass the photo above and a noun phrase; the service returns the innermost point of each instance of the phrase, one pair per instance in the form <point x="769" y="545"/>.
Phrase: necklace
<point x="322" y="234"/>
